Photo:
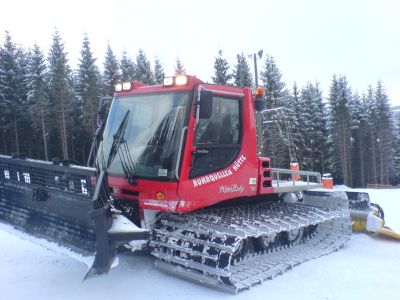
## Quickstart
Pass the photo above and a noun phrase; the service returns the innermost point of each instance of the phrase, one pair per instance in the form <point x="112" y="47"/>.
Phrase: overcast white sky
<point x="311" y="39"/>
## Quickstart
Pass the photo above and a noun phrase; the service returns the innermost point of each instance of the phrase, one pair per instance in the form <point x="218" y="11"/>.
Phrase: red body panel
<point x="244" y="177"/>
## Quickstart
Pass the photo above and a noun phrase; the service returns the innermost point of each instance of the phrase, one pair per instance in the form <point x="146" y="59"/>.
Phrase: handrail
<point x="277" y="172"/>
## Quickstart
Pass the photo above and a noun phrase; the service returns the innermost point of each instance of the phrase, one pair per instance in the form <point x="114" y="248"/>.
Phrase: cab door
<point x="220" y="161"/>
<point x="217" y="140"/>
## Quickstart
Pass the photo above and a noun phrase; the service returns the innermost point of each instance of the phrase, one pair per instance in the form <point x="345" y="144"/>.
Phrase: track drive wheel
<point x="293" y="236"/>
<point x="244" y="247"/>
<point x="265" y="242"/>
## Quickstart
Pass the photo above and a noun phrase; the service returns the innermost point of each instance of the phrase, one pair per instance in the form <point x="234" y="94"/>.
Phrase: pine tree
<point x="296" y="125"/>
<point x="278" y="137"/>
<point x="61" y="97"/>
<point x="15" y="114"/>
<point x="370" y="144"/>
<point x="38" y="96"/>
<point x="396" y="150"/>
<point x="384" y="134"/>
<point x="26" y="133"/>
<point x="158" y="72"/>
<point x="111" y="74"/>
<point x="340" y="98"/>
<point x="360" y="142"/>
<point x="242" y="75"/>
<point x="5" y="102"/>
<point x="88" y="87"/>
<point x="128" y="68"/>
<point x="321" y="138"/>
<point x="221" y="70"/>
<point x="179" y="68"/>
<point x="313" y="129"/>
<point x="4" y="107"/>
<point x="271" y="77"/>
<point x="79" y="139"/>
<point x="3" y="83"/>
<point x="143" y="69"/>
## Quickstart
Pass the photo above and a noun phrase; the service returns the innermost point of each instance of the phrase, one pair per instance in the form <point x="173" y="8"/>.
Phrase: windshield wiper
<point x="117" y="138"/>
<point x="127" y="163"/>
<point x="128" y="166"/>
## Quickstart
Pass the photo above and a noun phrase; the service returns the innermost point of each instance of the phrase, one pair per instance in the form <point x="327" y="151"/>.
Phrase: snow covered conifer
<point x="370" y="144"/>
<point x="221" y="70"/>
<point x="128" y="68"/>
<point x="179" y="68"/>
<point x="37" y="93"/>
<point x="158" y="71"/>
<point x="88" y="87"/>
<point x="111" y="74"/>
<point x="271" y="77"/>
<point x="294" y="115"/>
<point x="340" y="98"/>
<point x="313" y="129"/>
<point x="61" y="96"/>
<point x="384" y="134"/>
<point x="143" y="69"/>
<point x="278" y="136"/>
<point x="396" y="149"/>
<point x="242" y="74"/>
<point x="13" y="62"/>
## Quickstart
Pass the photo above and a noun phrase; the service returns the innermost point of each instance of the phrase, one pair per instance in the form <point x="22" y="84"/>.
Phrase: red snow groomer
<point x="177" y="171"/>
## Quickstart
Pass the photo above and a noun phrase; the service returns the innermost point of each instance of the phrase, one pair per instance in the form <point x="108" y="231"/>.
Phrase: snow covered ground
<point x="368" y="268"/>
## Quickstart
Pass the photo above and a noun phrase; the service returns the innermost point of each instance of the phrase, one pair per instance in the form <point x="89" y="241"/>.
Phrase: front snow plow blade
<point x="70" y="205"/>
<point x="235" y="248"/>
<point x="368" y="217"/>
<point x="111" y="227"/>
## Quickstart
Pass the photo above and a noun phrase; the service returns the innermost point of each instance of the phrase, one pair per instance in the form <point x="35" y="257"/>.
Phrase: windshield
<point x="152" y="135"/>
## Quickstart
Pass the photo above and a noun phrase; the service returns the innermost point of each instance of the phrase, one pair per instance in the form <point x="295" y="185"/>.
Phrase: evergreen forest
<point x="49" y="110"/>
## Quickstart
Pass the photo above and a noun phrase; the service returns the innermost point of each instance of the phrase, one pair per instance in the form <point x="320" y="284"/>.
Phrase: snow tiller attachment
<point x="368" y="217"/>
<point x="49" y="200"/>
<point x="66" y="204"/>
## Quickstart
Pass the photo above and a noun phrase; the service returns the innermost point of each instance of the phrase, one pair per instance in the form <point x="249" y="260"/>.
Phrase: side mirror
<point x="206" y="104"/>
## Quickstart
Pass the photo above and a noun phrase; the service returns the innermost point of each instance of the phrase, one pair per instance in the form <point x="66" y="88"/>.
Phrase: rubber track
<point x="200" y="246"/>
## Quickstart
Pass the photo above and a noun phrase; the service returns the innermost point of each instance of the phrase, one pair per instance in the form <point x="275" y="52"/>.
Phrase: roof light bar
<point x="168" y="81"/>
<point x="181" y="80"/>
<point x="123" y="86"/>
<point x="126" y="86"/>
<point x="175" y="80"/>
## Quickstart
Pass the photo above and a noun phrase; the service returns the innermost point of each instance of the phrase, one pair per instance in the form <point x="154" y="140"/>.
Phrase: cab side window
<point x="217" y="139"/>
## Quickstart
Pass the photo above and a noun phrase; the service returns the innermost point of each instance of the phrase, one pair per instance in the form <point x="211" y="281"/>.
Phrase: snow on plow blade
<point x="66" y="204"/>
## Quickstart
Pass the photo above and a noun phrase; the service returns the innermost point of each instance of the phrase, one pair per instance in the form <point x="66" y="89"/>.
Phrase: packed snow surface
<point x="368" y="268"/>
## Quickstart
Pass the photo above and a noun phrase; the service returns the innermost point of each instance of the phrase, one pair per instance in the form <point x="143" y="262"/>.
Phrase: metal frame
<point x="283" y="185"/>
